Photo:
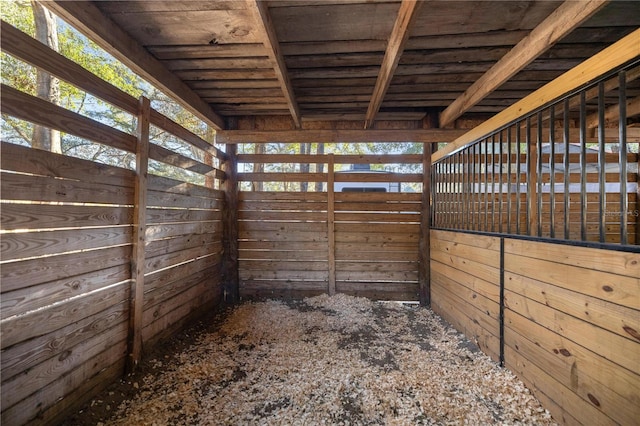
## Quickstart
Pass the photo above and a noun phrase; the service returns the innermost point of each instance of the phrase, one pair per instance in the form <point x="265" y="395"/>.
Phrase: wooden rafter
<point x="267" y="33"/>
<point x="89" y="20"/>
<point x="557" y="25"/>
<point x="395" y="47"/>
<point x="613" y="56"/>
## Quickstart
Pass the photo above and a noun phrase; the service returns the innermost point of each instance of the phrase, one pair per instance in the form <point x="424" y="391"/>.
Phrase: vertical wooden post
<point x="209" y="179"/>
<point x="139" y="229"/>
<point x="230" y="275"/>
<point x="331" y="225"/>
<point x="424" y="244"/>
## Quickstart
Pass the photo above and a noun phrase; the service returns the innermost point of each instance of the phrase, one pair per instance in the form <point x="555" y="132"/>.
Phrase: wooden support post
<point x="209" y="179"/>
<point x="139" y="230"/>
<point x="230" y="275"/>
<point x="424" y="263"/>
<point x="331" y="225"/>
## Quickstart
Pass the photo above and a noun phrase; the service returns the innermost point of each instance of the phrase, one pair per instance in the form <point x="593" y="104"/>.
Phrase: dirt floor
<point x="322" y="360"/>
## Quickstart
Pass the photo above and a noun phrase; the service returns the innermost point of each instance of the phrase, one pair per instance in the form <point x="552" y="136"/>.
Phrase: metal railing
<point x="568" y="170"/>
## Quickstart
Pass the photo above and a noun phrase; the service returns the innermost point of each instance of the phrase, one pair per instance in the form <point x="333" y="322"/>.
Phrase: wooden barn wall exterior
<point x="97" y="262"/>
<point x="571" y="318"/>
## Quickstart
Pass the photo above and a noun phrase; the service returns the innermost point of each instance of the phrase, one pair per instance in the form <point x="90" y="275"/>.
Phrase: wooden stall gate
<point x="297" y="244"/>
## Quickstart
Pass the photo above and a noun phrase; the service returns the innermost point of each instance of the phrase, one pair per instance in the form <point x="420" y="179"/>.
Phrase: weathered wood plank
<point x="164" y="184"/>
<point x="159" y="215"/>
<point x="44" y="113"/>
<point x="168" y="230"/>
<point x="39" y="188"/>
<point x="166" y="260"/>
<point x="38" y="162"/>
<point x="52" y="403"/>
<point x="29" y="244"/>
<point x="168" y="199"/>
<point x="23" y="356"/>
<point x="26" y="299"/>
<point x="283" y="196"/>
<point x="22" y="274"/>
<point x="23" y="327"/>
<point x="336" y="136"/>
<point x="47" y="216"/>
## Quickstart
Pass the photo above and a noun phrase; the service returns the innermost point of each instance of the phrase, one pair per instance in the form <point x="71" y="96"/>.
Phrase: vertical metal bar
<point x="552" y="171"/>
<point x="472" y="187"/>
<point x="478" y="152"/>
<point x="500" y="180"/>
<point x="486" y="184"/>
<point x="449" y="221"/>
<point x="509" y="185"/>
<point x="493" y="183"/>
<point x="622" y="155"/>
<point x="539" y="181"/>
<point x="518" y="171"/>
<point x="602" y="200"/>
<point x="583" y="166"/>
<point x="469" y="192"/>
<point x="459" y="223"/>
<point x="567" y="176"/>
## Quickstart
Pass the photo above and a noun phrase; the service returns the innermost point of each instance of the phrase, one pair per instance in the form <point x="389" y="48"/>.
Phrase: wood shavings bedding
<point x="331" y="360"/>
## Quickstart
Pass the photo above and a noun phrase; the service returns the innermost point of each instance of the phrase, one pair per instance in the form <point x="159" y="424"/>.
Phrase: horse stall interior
<point x="517" y="222"/>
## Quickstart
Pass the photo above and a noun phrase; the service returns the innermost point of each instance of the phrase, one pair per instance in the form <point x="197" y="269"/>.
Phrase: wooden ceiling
<point x="349" y="59"/>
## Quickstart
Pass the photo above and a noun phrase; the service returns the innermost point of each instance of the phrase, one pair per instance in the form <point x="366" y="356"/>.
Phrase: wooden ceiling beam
<point x="337" y="136"/>
<point x="395" y="47"/>
<point x="267" y="33"/>
<point x="89" y="20"/>
<point x="613" y="56"/>
<point x="557" y="25"/>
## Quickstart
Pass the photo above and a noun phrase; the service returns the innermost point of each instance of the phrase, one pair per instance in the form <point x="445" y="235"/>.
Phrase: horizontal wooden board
<point x="21" y="274"/>
<point x="170" y="291"/>
<point x="167" y="276"/>
<point x="615" y="262"/>
<point x="164" y="184"/>
<point x="31" y="244"/>
<point x="477" y="254"/>
<point x="47" y="216"/>
<point x="170" y="230"/>
<point x="23" y="300"/>
<point x="380" y="217"/>
<point x="23" y="356"/>
<point x="294" y="216"/>
<point x="563" y="403"/>
<point x="44" y="163"/>
<point x="282" y="196"/>
<point x="576" y="368"/>
<point x="49" y="371"/>
<point x="39" y="188"/>
<point x="290" y="264"/>
<point x="287" y="205"/>
<point x="453" y="311"/>
<point x="182" y="242"/>
<point x="377" y="276"/>
<point x="492" y="243"/>
<point x="617" y="349"/>
<point x="166" y="260"/>
<point x="479" y="270"/>
<point x="277" y="246"/>
<point x="280" y="255"/>
<point x="390" y="207"/>
<point x="282" y="274"/>
<point x="619" y="289"/>
<point x="489" y="290"/>
<point x="276" y="286"/>
<point x="52" y="403"/>
<point x="379" y="291"/>
<point x="169" y="199"/>
<point x="384" y="255"/>
<point x="157" y="216"/>
<point x="610" y="316"/>
<point x="21" y="328"/>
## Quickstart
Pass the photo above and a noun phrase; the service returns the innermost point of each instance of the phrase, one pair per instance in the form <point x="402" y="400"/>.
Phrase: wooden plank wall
<point x="376" y="244"/>
<point x="283" y="244"/>
<point x="571" y="318"/>
<point x="65" y="280"/>
<point x="465" y="285"/>
<point x="98" y="262"/>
